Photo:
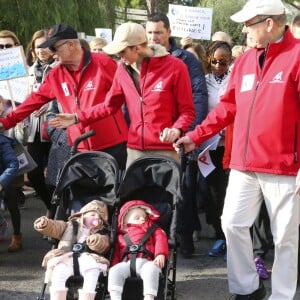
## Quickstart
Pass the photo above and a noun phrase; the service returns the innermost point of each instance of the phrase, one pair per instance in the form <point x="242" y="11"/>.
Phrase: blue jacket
<point x="9" y="164"/>
<point x="197" y="77"/>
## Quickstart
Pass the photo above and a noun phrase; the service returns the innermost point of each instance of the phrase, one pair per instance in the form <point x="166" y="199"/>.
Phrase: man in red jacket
<point x="81" y="80"/>
<point x="262" y="99"/>
<point x="157" y="91"/>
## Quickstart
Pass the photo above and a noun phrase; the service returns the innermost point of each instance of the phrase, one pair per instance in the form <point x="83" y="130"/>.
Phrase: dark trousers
<point x="39" y="152"/>
<point x="188" y="219"/>
<point x="261" y="233"/>
<point x="11" y="195"/>
<point x="217" y="182"/>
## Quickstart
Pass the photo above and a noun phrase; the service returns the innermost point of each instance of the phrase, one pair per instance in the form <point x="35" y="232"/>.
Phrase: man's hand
<point x="170" y="135"/>
<point x="63" y="120"/>
<point x="187" y="143"/>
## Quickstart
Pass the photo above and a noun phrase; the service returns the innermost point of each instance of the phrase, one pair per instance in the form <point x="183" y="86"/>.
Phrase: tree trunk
<point x="151" y="6"/>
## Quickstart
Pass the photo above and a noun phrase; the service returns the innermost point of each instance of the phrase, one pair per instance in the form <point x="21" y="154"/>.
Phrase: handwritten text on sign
<point x="187" y="21"/>
<point x="12" y="63"/>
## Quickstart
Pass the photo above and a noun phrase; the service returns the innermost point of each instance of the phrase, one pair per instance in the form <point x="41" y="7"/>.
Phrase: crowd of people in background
<point x="117" y="72"/>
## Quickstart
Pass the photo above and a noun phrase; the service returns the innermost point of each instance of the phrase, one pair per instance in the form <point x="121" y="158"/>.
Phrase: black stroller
<point x="156" y="180"/>
<point x="84" y="177"/>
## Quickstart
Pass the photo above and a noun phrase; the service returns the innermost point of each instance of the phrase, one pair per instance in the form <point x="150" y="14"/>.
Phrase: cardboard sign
<point x="187" y="21"/>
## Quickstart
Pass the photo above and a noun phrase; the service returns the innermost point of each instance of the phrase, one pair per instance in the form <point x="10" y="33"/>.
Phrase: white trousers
<point x="245" y="192"/>
<point x="146" y="269"/>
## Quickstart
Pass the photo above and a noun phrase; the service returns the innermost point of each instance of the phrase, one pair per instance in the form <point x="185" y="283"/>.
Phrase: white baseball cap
<point x="127" y="34"/>
<point x="255" y="8"/>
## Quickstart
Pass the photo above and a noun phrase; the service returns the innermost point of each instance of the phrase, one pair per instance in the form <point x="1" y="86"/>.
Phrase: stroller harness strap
<point x="77" y="249"/>
<point x="134" y="249"/>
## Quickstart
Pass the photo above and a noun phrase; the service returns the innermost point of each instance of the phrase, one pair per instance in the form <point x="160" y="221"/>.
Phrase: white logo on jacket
<point x="90" y="85"/>
<point x="158" y="87"/>
<point x="64" y="86"/>
<point x="277" y="78"/>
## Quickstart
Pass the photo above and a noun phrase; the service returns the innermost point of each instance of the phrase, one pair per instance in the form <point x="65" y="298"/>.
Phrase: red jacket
<point x="157" y="242"/>
<point x="265" y="107"/>
<point x="164" y="100"/>
<point x="97" y="72"/>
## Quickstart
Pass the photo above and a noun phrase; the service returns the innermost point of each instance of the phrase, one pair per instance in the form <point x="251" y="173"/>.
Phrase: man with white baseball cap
<point x="262" y="100"/>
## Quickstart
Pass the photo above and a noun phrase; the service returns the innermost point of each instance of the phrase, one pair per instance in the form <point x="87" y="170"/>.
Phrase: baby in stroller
<point x="141" y="248"/>
<point x="83" y="240"/>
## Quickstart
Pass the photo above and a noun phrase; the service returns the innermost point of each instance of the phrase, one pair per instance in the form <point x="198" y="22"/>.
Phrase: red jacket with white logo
<point x="156" y="244"/>
<point x="265" y="107"/>
<point x="163" y="100"/>
<point x="97" y="72"/>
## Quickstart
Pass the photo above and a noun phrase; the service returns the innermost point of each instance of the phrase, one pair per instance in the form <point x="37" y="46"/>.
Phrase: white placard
<point x="16" y="89"/>
<point x="187" y="21"/>
<point x="104" y="33"/>
<point x="12" y="63"/>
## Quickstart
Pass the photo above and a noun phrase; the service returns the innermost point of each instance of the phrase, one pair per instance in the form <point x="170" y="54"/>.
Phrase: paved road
<point x="21" y="274"/>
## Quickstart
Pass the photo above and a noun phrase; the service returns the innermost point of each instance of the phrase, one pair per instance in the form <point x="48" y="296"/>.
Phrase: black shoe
<point x="259" y="294"/>
<point x="187" y="248"/>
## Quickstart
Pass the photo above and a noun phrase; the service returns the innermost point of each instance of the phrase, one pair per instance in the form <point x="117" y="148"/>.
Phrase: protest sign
<point x="12" y="63"/>
<point x="104" y="33"/>
<point x="187" y="21"/>
<point x="14" y="84"/>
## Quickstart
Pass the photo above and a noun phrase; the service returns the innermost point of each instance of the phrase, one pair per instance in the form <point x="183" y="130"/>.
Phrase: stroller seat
<point x="157" y="181"/>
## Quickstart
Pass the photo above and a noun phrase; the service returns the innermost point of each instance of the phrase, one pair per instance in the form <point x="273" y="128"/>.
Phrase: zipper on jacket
<point x="87" y="60"/>
<point x="295" y="144"/>
<point x="147" y="59"/>
<point x="253" y="100"/>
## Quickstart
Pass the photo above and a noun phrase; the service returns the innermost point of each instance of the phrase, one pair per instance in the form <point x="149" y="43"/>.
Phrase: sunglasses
<point x="221" y="63"/>
<point x="54" y="48"/>
<point x="259" y="21"/>
<point x="6" y="46"/>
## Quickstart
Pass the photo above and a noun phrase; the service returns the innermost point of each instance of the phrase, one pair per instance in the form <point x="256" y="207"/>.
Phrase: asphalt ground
<point x="21" y="275"/>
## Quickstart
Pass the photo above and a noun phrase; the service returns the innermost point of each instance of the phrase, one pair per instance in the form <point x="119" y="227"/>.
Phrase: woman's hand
<point x="63" y="120"/>
<point x="170" y="135"/>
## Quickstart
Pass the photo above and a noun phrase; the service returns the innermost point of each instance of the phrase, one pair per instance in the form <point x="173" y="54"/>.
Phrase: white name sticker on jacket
<point x="64" y="86"/>
<point x="248" y="82"/>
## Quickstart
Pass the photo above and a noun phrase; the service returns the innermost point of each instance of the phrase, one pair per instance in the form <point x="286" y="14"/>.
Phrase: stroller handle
<point x="80" y="139"/>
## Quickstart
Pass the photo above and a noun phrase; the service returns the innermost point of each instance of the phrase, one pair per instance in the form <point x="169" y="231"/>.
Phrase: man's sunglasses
<point x="221" y="63"/>
<point x="6" y="46"/>
<point x="54" y="48"/>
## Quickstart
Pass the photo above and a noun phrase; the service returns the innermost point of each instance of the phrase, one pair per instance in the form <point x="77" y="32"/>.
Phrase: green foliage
<point x="222" y="10"/>
<point x="24" y="17"/>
